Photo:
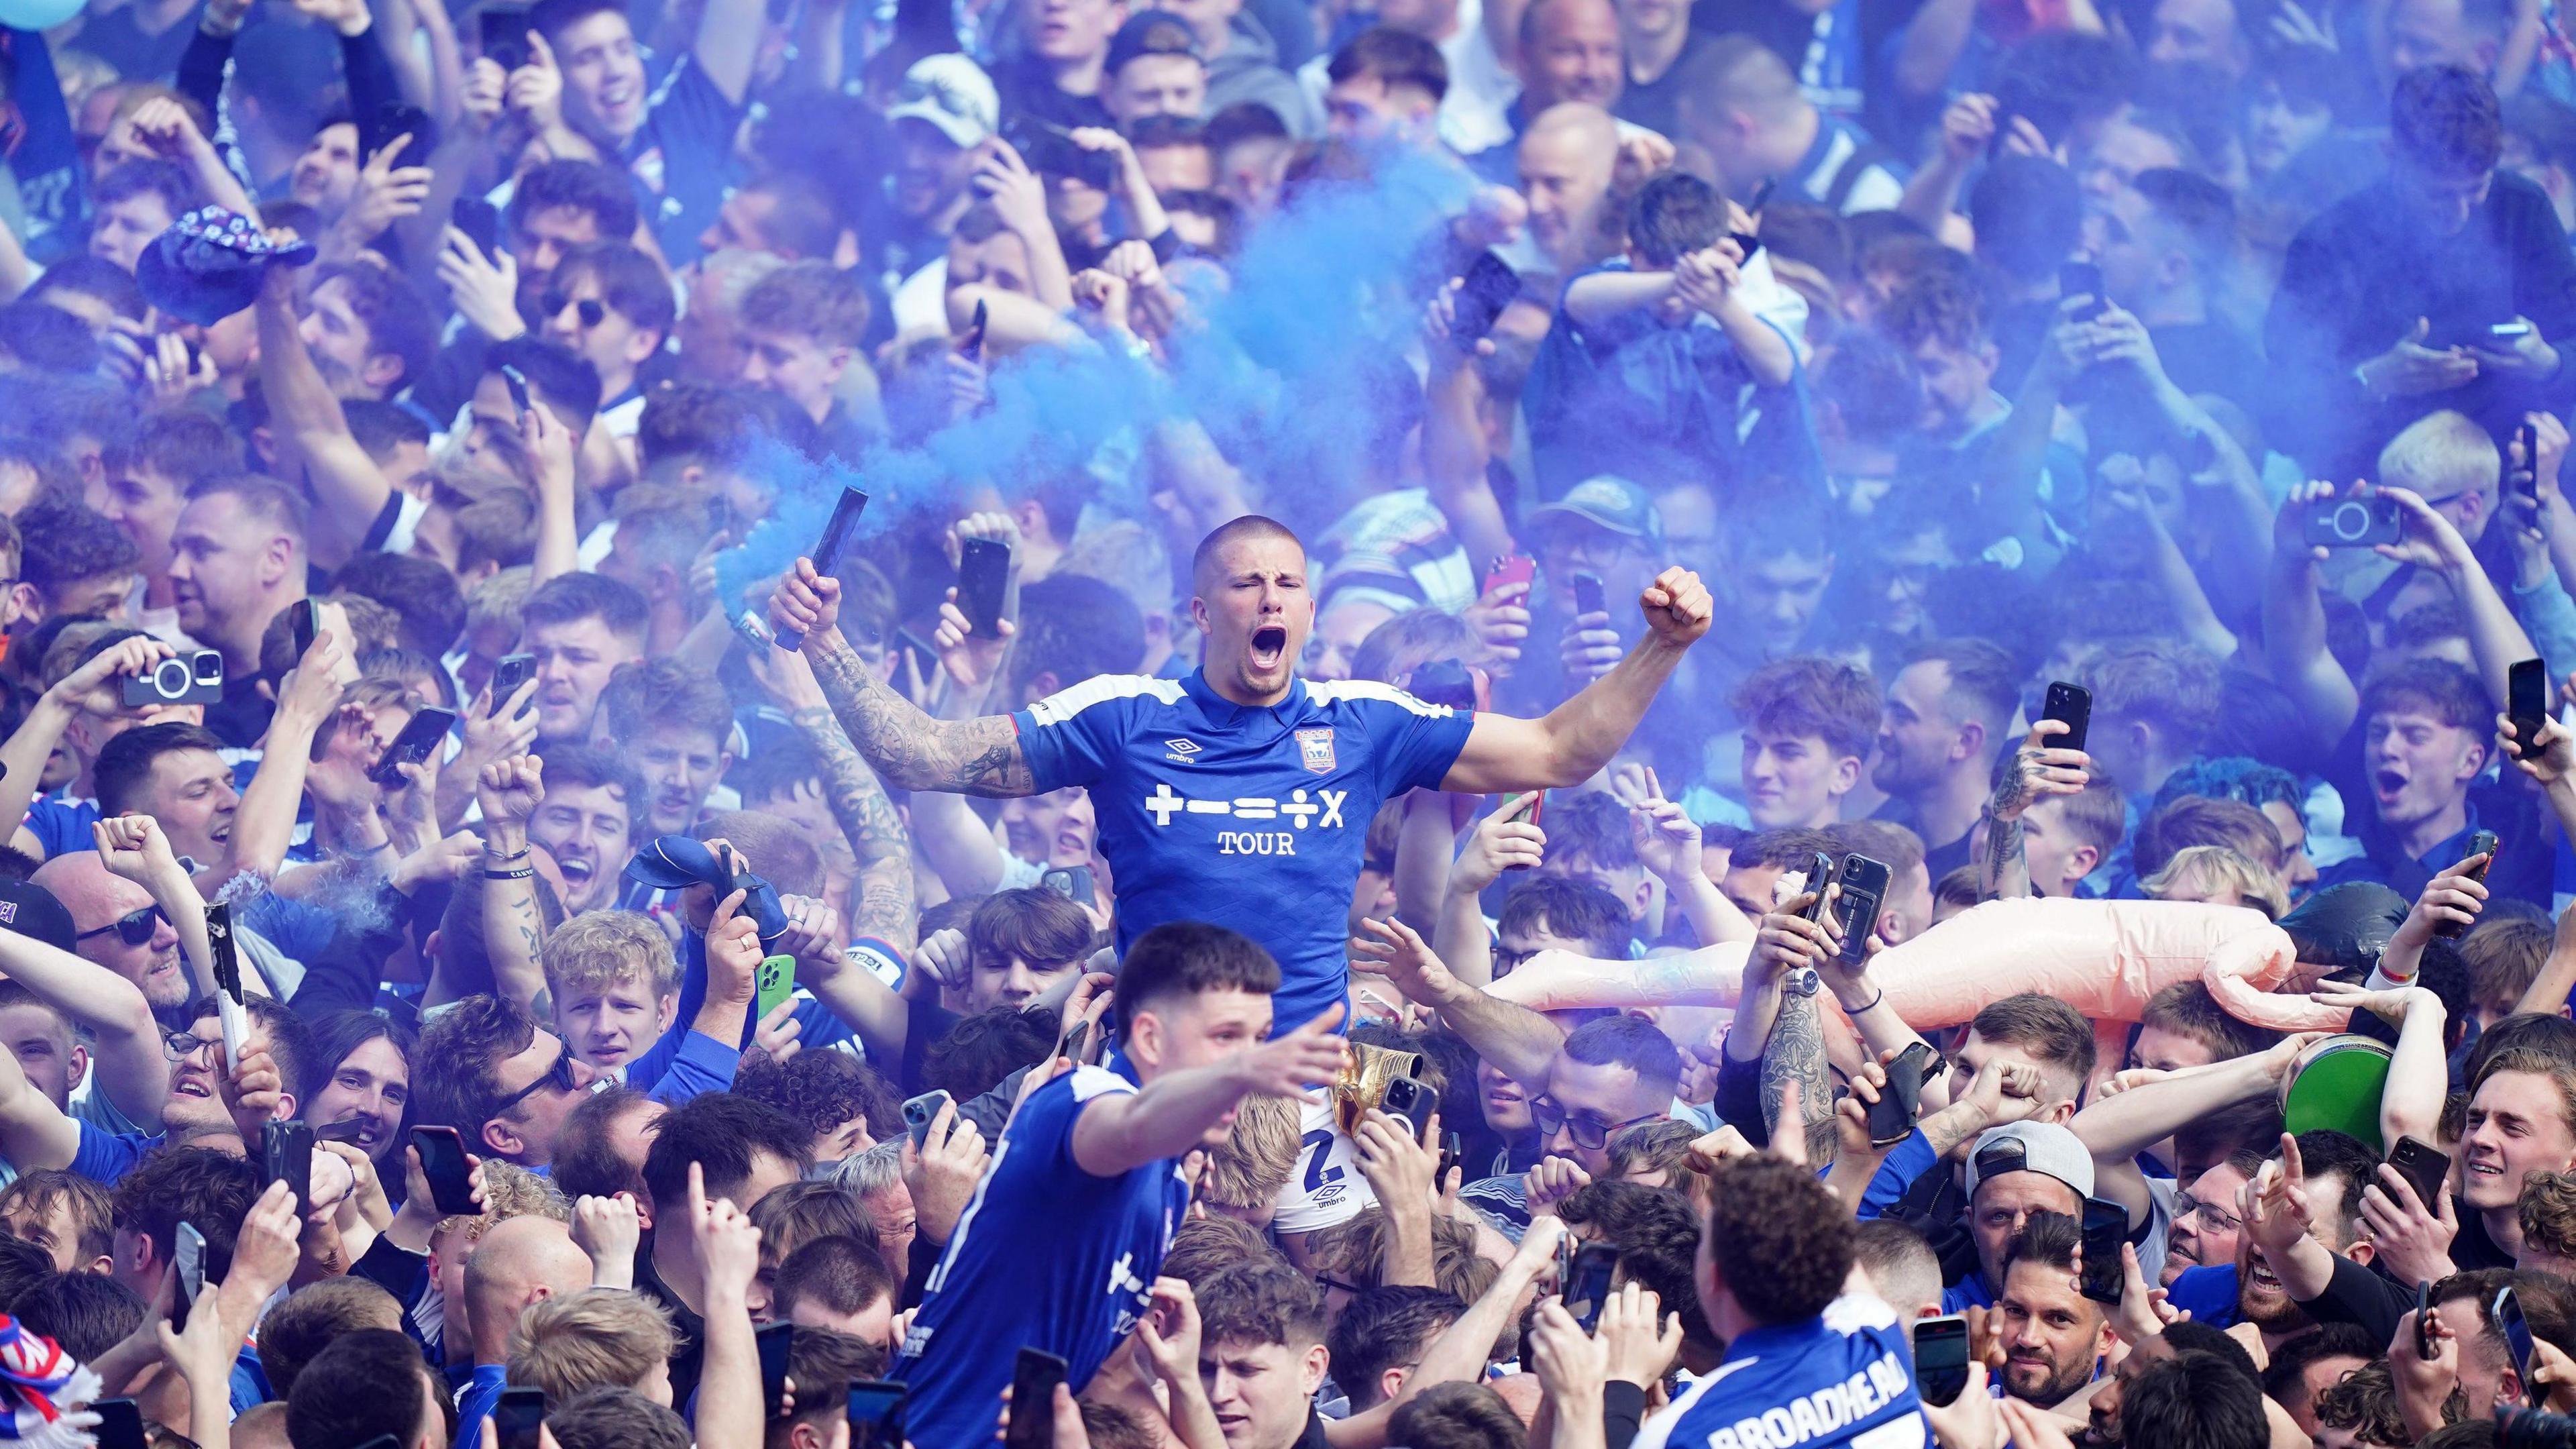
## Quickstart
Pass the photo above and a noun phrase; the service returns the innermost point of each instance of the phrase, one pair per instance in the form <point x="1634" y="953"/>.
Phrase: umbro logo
<point x="1181" y="752"/>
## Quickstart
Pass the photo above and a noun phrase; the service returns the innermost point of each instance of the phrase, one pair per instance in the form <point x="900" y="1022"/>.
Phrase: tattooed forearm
<point x="884" y="898"/>
<point x="1796" y="1051"/>
<point x="2003" y="871"/>
<point x="909" y="748"/>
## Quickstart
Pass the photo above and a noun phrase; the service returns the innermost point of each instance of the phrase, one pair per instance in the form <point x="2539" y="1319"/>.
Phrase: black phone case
<point x="2071" y="705"/>
<point x="1820" y="874"/>
<point x="418" y="740"/>
<point x="1891" y="1117"/>
<point x="776" y="1341"/>
<point x="1589" y="597"/>
<point x="505" y="36"/>
<point x="286" y="1155"/>
<point x="518" y="1416"/>
<point x="2106" y="1227"/>
<point x="306" y="621"/>
<point x="1410" y="1102"/>
<point x="2423" y="1167"/>
<point x="2526" y="693"/>
<point x="1488" y="288"/>
<point x="983" y="572"/>
<point x="1033" y="1381"/>
<point x="442" y="1161"/>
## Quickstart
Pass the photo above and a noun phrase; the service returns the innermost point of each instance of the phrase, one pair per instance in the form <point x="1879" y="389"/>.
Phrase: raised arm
<point x="264" y="825"/>
<point x="513" y="928"/>
<point x="131" y="1068"/>
<point x="2411" y="1103"/>
<point x="34" y="1133"/>
<point x="2294" y="622"/>
<point x="2038" y="772"/>
<point x="729" y="36"/>
<point x="1573" y="741"/>
<point x="2117" y="1128"/>
<point x="1518" y="1041"/>
<point x="350" y="489"/>
<point x="905" y="746"/>
<point x="1169" y="1115"/>
<point x="884" y="894"/>
<point x="92" y="687"/>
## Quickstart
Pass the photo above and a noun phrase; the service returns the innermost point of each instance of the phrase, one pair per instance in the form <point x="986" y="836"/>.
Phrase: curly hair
<point x="1778" y="1240"/>
<point x="1261" y="1302"/>
<point x="211" y="1190"/>
<point x="823" y="1090"/>
<point x="456" y="1081"/>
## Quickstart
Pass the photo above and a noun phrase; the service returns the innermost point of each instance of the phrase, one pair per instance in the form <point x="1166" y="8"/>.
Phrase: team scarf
<point x="40" y="1385"/>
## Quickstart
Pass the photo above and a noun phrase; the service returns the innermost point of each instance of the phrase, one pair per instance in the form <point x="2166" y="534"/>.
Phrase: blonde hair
<point x="2440" y="454"/>
<point x="509" y="1191"/>
<point x="1259" y="1154"/>
<point x="591" y="1338"/>
<point x="606" y="948"/>
<point x="2199" y="872"/>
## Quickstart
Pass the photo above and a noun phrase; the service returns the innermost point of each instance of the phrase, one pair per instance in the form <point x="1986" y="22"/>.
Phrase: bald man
<point x="1567" y="159"/>
<point x="518" y="1262"/>
<point x="1570" y="50"/>
<point x="118" y="926"/>
<point x="1740" y="105"/>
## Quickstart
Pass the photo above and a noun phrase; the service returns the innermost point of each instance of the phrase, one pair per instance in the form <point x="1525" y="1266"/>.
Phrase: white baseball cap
<point x="953" y="93"/>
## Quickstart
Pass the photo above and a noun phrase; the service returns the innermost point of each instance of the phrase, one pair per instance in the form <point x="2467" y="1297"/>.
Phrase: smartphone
<point x="480" y="220"/>
<point x="775" y="1341"/>
<point x="188" y="1255"/>
<point x="1453" y="1151"/>
<point x="971" y="346"/>
<point x="1588" y="1287"/>
<point x="2517" y="1335"/>
<point x="442" y="1161"/>
<point x="1864" y="883"/>
<point x="521" y="1413"/>
<point x="1444" y="681"/>
<point x="2526" y="695"/>
<point x="2524" y="477"/>
<point x="777" y="983"/>
<point x="229" y="1011"/>
<point x="827" y="551"/>
<point x="2072" y="706"/>
<point x="2424" y="1169"/>
<point x="1033" y="1381"/>
<point x="1940" y="1358"/>
<point x="2082" y="279"/>
<point x="2427" y="1347"/>
<point x="2106" y="1227"/>
<point x="1892" y="1116"/>
<point x="396" y="119"/>
<point x="921" y="1111"/>
<point x="1588" y="596"/>
<point x="505" y="36"/>
<point x="304" y="616"/>
<point x="517" y="382"/>
<point x="1489" y="286"/>
<point x="876" y="1414"/>
<point x="2512" y="331"/>
<point x="1531" y="815"/>
<point x="419" y="739"/>
<point x="2355" y="523"/>
<point x="1820" y="874"/>
<point x="2481" y="842"/>
<point x="1073" y="882"/>
<point x="1510" y="569"/>
<point x="120" y="1424"/>
<point x="286" y="1155"/>
<point x="1074" y="1043"/>
<point x="983" y="572"/>
<point x="509" y="676"/>
<point x="1410" y="1102"/>
<point x="1761" y="196"/>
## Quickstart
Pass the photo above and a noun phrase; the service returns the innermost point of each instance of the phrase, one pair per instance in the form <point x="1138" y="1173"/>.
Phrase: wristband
<point x="491" y="857"/>
<point x="362" y="852"/>
<point x="1872" y="1003"/>
<point x="522" y="873"/>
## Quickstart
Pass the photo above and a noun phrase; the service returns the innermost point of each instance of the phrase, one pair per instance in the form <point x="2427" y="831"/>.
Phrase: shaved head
<point x="1249" y="526"/>
<point x="519" y="1261"/>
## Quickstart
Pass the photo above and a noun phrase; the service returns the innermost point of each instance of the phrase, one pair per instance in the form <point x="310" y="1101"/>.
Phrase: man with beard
<point x="1948" y="712"/>
<point x="2304" y="1211"/>
<point x="2053" y="1336"/>
<point x="586" y="821"/>
<point x="2205" y="1227"/>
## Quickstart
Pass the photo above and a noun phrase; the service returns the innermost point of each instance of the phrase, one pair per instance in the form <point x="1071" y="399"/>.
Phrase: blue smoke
<point x="1291" y="373"/>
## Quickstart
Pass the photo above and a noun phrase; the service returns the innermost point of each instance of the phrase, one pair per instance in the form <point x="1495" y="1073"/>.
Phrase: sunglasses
<point x="558" y="1077"/>
<point x="593" y="311"/>
<point x="134" y="928"/>
<point x="1588" y="1134"/>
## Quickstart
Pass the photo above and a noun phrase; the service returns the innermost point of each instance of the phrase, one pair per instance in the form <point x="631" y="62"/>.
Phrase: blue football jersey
<point x="1046" y="1256"/>
<point x="1844" y="1377"/>
<point x="1252" y="819"/>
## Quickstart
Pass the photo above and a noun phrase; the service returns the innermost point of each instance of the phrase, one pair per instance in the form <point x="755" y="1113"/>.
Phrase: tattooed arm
<point x="883" y="898"/>
<point x="909" y="748"/>
<point x="2038" y="772"/>
<point x="512" y="930"/>
<point x="1796" y="1051"/>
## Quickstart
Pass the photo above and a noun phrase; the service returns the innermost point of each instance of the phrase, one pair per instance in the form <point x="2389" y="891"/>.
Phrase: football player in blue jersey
<point x="1242" y="794"/>
<point x="1089" y="1167"/>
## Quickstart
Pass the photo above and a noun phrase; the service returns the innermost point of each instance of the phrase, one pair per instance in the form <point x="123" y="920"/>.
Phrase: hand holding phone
<point x="920" y="1112"/>
<point x="1033" y="1383"/>
<point x="450" y="1176"/>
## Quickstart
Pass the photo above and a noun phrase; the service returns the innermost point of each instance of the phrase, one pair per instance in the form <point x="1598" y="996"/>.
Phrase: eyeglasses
<point x="178" y="1046"/>
<point x="134" y="928"/>
<point x="2211" y="1217"/>
<point x="1328" y="1281"/>
<point x="593" y="311"/>
<point x="559" y="1077"/>
<point x="1588" y="1134"/>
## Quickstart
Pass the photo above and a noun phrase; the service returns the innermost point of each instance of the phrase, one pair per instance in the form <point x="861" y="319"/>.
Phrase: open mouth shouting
<point x="1269" y="647"/>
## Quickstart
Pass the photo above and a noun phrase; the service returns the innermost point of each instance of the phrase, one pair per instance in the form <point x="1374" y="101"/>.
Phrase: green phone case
<point x="777" y="983"/>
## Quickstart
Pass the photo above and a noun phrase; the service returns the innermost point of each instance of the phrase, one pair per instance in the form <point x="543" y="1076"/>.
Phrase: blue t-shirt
<point x="1845" y="1376"/>
<point x="1245" y="817"/>
<point x="1046" y="1256"/>
<point x="2209" y="1293"/>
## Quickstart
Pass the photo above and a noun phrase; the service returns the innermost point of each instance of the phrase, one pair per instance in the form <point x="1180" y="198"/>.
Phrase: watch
<point x="1802" y="982"/>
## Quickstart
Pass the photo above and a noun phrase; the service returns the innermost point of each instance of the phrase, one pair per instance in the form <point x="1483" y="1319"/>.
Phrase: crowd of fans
<point x="1551" y="724"/>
